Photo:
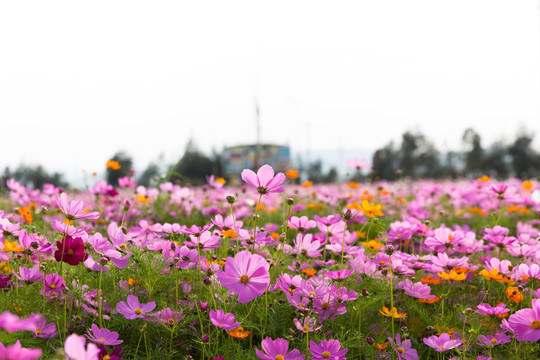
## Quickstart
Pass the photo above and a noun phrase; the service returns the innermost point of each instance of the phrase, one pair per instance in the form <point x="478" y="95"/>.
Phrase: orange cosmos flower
<point x="514" y="294"/>
<point x="229" y="233"/>
<point x="309" y="272"/>
<point x="353" y="185"/>
<point x="12" y="246"/>
<point x="372" y="244"/>
<point x="382" y="346"/>
<point x="484" y="178"/>
<point x="26" y="214"/>
<point x="452" y="276"/>
<point x="528" y="185"/>
<point x="292" y="174"/>
<point x="240" y="333"/>
<point x="430" y="280"/>
<point x="112" y="164"/>
<point x="307" y="184"/>
<point x="394" y="313"/>
<point x="430" y="301"/>
<point x="371" y="210"/>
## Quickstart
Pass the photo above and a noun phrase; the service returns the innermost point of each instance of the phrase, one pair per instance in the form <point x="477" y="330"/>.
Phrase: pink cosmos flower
<point x="247" y="275"/>
<point x="74" y="209"/>
<point x="29" y="275"/>
<point x="416" y="290"/>
<point x="309" y="324"/>
<point x="486" y="309"/>
<point x="103" y="336"/>
<point x="525" y="323"/>
<point x="327" y="349"/>
<point x="499" y="338"/>
<point x="17" y="352"/>
<point x="358" y="164"/>
<point x="133" y="309"/>
<point x="403" y="348"/>
<point x="264" y="181"/>
<point x="224" y="321"/>
<point x="306" y="245"/>
<point x="442" y="343"/>
<point x="44" y="330"/>
<point x="11" y="323"/>
<point x="302" y="223"/>
<point x="76" y="349"/>
<point x="277" y="349"/>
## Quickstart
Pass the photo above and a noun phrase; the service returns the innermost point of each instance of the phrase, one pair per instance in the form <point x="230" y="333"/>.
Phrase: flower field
<point x="271" y="269"/>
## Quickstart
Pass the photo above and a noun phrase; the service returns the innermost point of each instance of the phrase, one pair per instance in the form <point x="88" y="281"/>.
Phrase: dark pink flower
<point x="70" y="250"/>
<point x="247" y="275"/>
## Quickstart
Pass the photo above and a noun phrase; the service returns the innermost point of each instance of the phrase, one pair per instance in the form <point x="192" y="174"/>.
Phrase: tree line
<point x="415" y="157"/>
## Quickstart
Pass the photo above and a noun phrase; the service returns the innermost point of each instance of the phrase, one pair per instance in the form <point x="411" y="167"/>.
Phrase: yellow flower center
<point x="170" y="320"/>
<point x="306" y="328"/>
<point x="38" y="331"/>
<point x="52" y="286"/>
<point x="138" y="311"/>
<point x="325" y="306"/>
<point x="70" y="252"/>
<point x="106" y="357"/>
<point x="101" y="339"/>
<point x="244" y="280"/>
<point x="326" y="355"/>
<point x="401" y="350"/>
<point x="535" y="324"/>
<point x="493" y="341"/>
<point x="122" y="246"/>
<point x="279" y="357"/>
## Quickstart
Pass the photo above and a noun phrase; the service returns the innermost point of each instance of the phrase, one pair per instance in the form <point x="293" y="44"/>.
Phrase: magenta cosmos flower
<point x="16" y="351"/>
<point x="133" y="309"/>
<point x="277" y="350"/>
<point x="265" y="181"/>
<point x="327" y="349"/>
<point x="224" y="321"/>
<point x="526" y="323"/>
<point x="74" y="209"/>
<point x="247" y="275"/>
<point x="70" y="250"/>
<point x="103" y="336"/>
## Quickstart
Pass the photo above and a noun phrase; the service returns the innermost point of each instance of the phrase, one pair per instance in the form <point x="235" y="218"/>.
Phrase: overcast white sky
<point x="82" y="80"/>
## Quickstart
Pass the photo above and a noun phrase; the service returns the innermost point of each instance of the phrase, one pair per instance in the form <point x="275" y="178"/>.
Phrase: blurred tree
<point x="194" y="166"/>
<point x="496" y="163"/>
<point x="149" y="175"/>
<point x="34" y="177"/>
<point x="113" y="173"/>
<point x="525" y="161"/>
<point x="385" y="163"/>
<point x="474" y="158"/>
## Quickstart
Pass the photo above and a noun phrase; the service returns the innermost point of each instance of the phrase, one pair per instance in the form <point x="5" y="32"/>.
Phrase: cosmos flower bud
<point x="290" y="201"/>
<point x="231" y="199"/>
<point x="328" y="333"/>
<point x="173" y="246"/>
<point x="34" y="244"/>
<point x="127" y="205"/>
<point x="103" y="260"/>
<point x="365" y="292"/>
<point x="207" y="280"/>
<point x="203" y="306"/>
<point x="124" y="230"/>
<point x="347" y="215"/>
<point x="389" y="249"/>
<point x="205" y="338"/>
<point x="370" y="340"/>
